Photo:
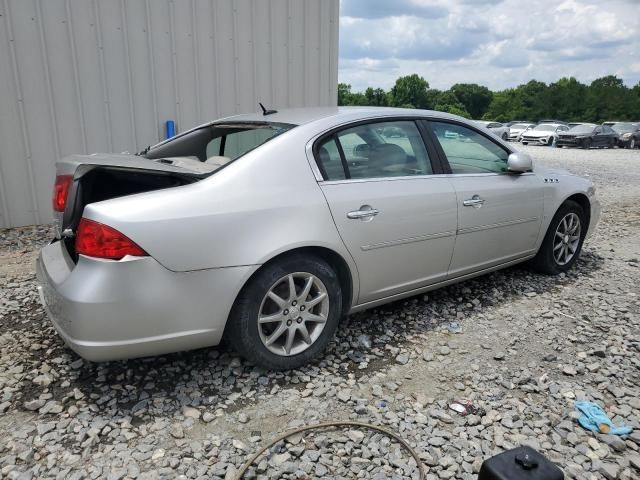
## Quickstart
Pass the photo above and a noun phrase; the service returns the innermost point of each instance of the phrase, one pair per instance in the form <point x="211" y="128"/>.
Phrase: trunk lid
<point x="99" y="177"/>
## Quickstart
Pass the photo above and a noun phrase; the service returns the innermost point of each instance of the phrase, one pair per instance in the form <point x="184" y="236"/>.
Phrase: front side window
<point x="468" y="151"/>
<point x="375" y="150"/>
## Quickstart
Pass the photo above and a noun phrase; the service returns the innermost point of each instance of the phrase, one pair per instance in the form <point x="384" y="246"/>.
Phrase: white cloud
<point x="497" y="43"/>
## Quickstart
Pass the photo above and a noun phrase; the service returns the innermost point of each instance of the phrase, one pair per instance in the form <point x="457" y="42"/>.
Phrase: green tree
<point x="567" y="99"/>
<point x="410" y="90"/>
<point x="607" y="100"/>
<point x="448" y="102"/>
<point x="475" y="98"/>
<point x="377" y="97"/>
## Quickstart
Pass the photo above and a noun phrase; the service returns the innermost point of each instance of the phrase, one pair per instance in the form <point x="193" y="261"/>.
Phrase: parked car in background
<point x="543" y="134"/>
<point x="198" y="238"/>
<point x="513" y="122"/>
<point x="517" y="129"/>
<point x="587" y="136"/>
<point x="496" y="128"/>
<point x="557" y="122"/>
<point x="575" y="124"/>
<point x="628" y="134"/>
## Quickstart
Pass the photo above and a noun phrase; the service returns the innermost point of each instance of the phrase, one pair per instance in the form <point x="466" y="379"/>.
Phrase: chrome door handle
<point x="364" y="213"/>
<point x="474" y="201"/>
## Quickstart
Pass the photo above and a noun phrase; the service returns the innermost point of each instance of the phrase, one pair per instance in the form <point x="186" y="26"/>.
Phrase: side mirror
<point x="519" y="162"/>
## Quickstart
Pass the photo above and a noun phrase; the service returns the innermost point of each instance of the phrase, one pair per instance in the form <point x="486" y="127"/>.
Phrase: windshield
<point x="622" y="127"/>
<point x="582" y="129"/>
<point x="545" y="128"/>
<point x="218" y="144"/>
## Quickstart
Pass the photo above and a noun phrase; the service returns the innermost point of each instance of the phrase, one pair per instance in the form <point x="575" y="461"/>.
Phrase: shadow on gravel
<point x="216" y="377"/>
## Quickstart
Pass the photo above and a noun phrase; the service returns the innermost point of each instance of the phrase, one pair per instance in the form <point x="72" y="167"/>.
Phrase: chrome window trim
<point x="420" y="177"/>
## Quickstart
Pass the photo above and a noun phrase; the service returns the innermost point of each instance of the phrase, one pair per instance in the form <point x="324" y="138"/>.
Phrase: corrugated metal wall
<point x="104" y="75"/>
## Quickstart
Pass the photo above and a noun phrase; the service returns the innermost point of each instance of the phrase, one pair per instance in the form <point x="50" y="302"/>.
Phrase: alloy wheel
<point x="567" y="238"/>
<point x="293" y="313"/>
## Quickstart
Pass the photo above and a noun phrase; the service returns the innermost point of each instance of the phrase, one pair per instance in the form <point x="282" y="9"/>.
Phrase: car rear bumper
<point x="109" y="310"/>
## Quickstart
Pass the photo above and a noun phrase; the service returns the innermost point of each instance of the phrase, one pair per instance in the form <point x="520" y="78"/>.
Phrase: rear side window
<point x="468" y="151"/>
<point x="374" y="150"/>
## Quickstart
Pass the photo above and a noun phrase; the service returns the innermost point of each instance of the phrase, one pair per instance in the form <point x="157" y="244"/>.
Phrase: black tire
<point x="505" y="137"/>
<point x="242" y="327"/>
<point x="587" y="143"/>
<point x="612" y="143"/>
<point x="632" y="143"/>
<point x="551" y="142"/>
<point x="545" y="261"/>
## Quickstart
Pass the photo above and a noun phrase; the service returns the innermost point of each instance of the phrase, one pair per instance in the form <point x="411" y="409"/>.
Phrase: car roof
<point x="301" y="116"/>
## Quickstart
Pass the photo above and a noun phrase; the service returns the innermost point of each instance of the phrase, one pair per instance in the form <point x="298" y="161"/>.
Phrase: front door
<point x="397" y="220"/>
<point x="499" y="213"/>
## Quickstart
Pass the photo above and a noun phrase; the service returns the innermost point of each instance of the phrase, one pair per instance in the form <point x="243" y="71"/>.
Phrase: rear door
<point x="397" y="219"/>
<point x="499" y="213"/>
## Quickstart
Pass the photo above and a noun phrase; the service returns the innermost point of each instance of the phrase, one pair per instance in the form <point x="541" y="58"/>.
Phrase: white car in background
<point x="496" y="128"/>
<point x="517" y="129"/>
<point x="543" y="134"/>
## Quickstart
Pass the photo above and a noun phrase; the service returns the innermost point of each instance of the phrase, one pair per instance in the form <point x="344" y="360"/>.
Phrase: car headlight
<point x="626" y="135"/>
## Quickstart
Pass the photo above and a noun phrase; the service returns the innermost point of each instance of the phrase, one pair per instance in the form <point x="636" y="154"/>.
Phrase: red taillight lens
<point x="98" y="240"/>
<point x="61" y="192"/>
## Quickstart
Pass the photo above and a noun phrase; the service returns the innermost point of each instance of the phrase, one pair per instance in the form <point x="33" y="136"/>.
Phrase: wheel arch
<point x="582" y="200"/>
<point x="344" y="272"/>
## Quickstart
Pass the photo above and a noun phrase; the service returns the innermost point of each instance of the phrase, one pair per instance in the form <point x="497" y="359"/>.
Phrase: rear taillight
<point x="98" y="240"/>
<point x="61" y="192"/>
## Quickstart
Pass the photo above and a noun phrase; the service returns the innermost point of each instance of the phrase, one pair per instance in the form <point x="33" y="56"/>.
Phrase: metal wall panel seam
<point x="289" y="55"/>
<point x="216" y="76"/>
<point x="333" y="59"/>
<point x="252" y="41"/>
<point x="196" y="71"/>
<point x="21" y="114"/>
<point x="174" y="66"/>
<point x="152" y="70"/>
<point x="76" y="76"/>
<point x="236" y="63"/>
<point x="103" y="75"/>
<point x="127" y="58"/>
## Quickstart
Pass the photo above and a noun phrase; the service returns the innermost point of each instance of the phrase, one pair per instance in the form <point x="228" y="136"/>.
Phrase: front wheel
<point x="287" y="314"/>
<point x="587" y="143"/>
<point x="632" y="143"/>
<point x="505" y="137"/>
<point x="563" y="241"/>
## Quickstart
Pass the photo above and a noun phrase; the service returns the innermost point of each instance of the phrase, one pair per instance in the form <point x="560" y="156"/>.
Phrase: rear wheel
<point x="563" y="241"/>
<point x="612" y="143"/>
<point x="287" y="314"/>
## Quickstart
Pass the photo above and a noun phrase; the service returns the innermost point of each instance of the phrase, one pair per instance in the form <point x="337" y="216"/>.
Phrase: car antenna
<point x="265" y="111"/>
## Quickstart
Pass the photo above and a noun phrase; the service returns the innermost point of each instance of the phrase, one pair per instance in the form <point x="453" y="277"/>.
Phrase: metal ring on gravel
<point x="346" y="423"/>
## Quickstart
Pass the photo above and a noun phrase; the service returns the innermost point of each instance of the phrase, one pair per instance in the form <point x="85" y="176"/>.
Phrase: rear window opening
<point x="217" y="144"/>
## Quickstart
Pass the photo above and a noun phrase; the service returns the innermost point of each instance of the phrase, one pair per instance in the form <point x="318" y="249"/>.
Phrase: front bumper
<point x="568" y="142"/>
<point x="535" y="140"/>
<point x="135" y="307"/>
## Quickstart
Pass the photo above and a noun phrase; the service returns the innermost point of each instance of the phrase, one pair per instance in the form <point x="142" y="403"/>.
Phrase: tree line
<point x="606" y="98"/>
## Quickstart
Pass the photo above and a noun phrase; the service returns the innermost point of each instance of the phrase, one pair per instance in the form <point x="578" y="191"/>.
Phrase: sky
<point x="497" y="43"/>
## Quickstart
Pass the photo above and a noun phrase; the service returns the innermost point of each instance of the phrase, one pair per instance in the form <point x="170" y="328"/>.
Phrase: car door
<point x="599" y="137"/>
<point x="397" y="219"/>
<point x="499" y="213"/>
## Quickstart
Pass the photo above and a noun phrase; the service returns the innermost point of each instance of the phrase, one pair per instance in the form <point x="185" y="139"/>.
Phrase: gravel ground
<point x="521" y="346"/>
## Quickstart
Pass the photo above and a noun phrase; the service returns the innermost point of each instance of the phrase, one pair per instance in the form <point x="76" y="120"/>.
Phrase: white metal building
<point x="82" y="76"/>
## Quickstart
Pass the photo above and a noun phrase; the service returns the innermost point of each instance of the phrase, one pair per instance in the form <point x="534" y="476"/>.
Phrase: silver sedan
<point x="268" y="228"/>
